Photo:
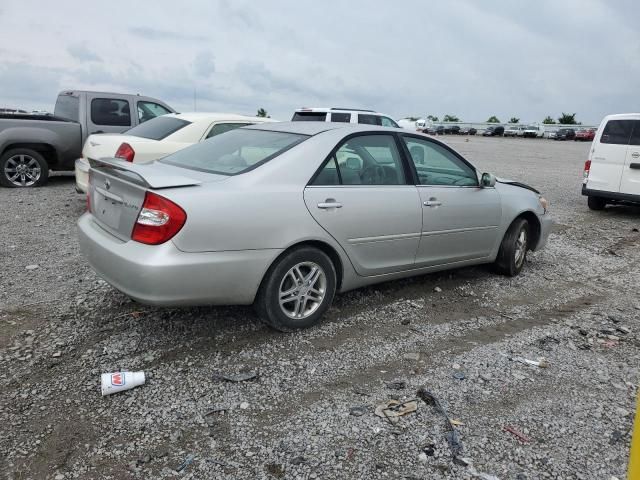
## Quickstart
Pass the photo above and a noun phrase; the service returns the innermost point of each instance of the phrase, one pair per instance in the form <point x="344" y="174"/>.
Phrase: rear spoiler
<point x="145" y="175"/>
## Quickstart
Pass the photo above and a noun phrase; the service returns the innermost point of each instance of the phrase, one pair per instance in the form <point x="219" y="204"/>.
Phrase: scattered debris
<point x="520" y="436"/>
<point x="240" y="377"/>
<point x="437" y="289"/>
<point x="456" y="422"/>
<point x="57" y="354"/>
<point x="459" y="376"/>
<point x="397" y="384"/>
<point x="213" y="410"/>
<point x="358" y="411"/>
<point x="121" y="381"/>
<point x="623" y="330"/>
<point x="452" y="435"/>
<point x="393" y="409"/>
<point x="187" y="461"/>
<point x="31" y="267"/>
<point x="244" y="405"/>
<point x="541" y="363"/>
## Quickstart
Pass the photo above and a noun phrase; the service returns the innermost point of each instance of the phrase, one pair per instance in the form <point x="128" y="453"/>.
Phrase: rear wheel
<point x="297" y="290"/>
<point x="513" y="249"/>
<point x="23" y="167"/>
<point x="596" y="203"/>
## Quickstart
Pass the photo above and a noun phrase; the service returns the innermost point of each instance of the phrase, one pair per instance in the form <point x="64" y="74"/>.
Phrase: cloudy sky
<point x="405" y="57"/>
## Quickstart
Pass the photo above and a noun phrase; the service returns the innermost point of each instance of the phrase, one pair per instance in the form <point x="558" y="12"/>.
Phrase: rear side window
<point x="617" y="132"/>
<point x="309" y="117"/>
<point x="387" y="122"/>
<point x="235" y="152"/>
<point x="635" y="135"/>
<point x="149" y="110"/>
<point x="224" y="127"/>
<point x="369" y="119"/>
<point x="67" y="106"/>
<point x="341" y="117"/>
<point x="110" y="112"/>
<point x="158" y="128"/>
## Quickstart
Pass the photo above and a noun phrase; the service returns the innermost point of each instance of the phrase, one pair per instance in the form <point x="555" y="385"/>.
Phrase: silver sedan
<point x="285" y="215"/>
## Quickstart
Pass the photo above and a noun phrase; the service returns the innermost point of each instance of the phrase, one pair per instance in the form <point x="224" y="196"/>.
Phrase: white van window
<point x="635" y="136"/>
<point x="617" y="132"/>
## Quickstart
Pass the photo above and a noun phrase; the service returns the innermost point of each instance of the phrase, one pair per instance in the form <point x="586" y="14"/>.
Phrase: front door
<point x="460" y="219"/>
<point x="362" y="199"/>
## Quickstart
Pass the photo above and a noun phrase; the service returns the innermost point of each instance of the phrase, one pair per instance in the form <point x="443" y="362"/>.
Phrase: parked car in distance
<point x="533" y="131"/>
<point x="494" y="131"/>
<point x="512" y="131"/>
<point x="612" y="171"/>
<point x="206" y="225"/>
<point x="440" y="130"/>
<point x="551" y="135"/>
<point x="31" y="145"/>
<point x="430" y="130"/>
<point x="157" y="138"/>
<point x="585" y="135"/>
<point x="452" y="129"/>
<point x="343" y="115"/>
<point x="565" y="134"/>
<point x="472" y="131"/>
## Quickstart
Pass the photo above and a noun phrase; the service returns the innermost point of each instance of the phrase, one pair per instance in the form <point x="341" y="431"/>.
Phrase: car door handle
<point x="432" y="203"/>
<point x="325" y="205"/>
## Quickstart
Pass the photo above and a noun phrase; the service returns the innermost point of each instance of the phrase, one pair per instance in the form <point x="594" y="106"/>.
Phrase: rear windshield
<point x="67" y="107"/>
<point x="158" y="128"/>
<point x="234" y="152"/>
<point x="309" y="117"/>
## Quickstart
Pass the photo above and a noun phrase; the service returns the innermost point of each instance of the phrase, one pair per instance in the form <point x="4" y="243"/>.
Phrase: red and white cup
<point x="120" y="381"/>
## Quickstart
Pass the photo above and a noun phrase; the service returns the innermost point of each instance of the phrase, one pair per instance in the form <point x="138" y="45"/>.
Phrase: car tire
<point x="32" y="163"/>
<point x="513" y="249"/>
<point x="308" y="299"/>
<point x="596" y="203"/>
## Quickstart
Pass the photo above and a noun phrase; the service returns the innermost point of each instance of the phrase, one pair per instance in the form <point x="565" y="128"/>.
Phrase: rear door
<point x="608" y="156"/>
<point x="361" y="197"/>
<point x="108" y="113"/>
<point x="460" y="219"/>
<point x="630" y="182"/>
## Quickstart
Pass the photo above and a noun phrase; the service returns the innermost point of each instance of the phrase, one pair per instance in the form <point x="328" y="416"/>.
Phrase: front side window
<point x="435" y="165"/>
<point x="341" y="117"/>
<point x="364" y="160"/>
<point x="635" y="136"/>
<point x="149" y="110"/>
<point x="110" y="112"/>
<point x="158" y="128"/>
<point x="235" y="152"/>
<point x="617" y="132"/>
<point x="219" y="128"/>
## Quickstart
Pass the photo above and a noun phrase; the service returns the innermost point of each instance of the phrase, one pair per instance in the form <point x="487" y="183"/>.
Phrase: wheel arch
<point x="534" y="224"/>
<point x="47" y="150"/>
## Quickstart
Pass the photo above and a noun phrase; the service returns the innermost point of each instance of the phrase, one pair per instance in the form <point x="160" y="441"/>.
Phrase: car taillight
<point x="587" y="167"/>
<point x="126" y="152"/>
<point x="158" y="221"/>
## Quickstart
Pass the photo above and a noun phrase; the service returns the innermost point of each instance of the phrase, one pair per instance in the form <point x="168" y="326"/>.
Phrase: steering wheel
<point x="372" y="175"/>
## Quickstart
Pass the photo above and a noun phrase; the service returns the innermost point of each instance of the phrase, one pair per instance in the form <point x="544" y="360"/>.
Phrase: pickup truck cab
<point x="612" y="171"/>
<point x="32" y="145"/>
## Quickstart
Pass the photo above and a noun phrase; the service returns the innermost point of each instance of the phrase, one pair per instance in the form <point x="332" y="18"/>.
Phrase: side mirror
<point x="487" y="180"/>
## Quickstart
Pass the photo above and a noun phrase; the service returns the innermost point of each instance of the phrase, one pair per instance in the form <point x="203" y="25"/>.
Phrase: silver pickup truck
<point x="32" y="145"/>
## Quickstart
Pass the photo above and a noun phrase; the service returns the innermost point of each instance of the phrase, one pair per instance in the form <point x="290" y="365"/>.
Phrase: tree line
<point x="564" y="119"/>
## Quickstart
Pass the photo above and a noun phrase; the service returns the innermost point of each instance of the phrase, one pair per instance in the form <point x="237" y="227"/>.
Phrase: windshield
<point x="234" y="152"/>
<point x="532" y="128"/>
<point x="158" y="128"/>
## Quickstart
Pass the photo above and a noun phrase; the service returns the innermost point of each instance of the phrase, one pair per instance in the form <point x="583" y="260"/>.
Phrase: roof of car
<point x="216" y="116"/>
<point x="313" y="128"/>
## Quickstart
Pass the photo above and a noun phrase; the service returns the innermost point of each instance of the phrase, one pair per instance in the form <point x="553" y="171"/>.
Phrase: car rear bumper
<point x="615" y="196"/>
<point x="163" y="275"/>
<point x="82" y="175"/>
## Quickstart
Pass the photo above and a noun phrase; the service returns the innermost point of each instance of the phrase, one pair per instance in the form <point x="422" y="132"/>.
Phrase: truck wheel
<point x="23" y="167"/>
<point x="596" y="203"/>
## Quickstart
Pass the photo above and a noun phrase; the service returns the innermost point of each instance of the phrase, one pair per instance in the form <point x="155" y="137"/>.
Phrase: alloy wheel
<point x="521" y="247"/>
<point x="302" y="290"/>
<point x="22" y="170"/>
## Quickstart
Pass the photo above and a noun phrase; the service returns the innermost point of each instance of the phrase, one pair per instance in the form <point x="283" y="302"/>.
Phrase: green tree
<point x="549" y="120"/>
<point x="493" y="119"/>
<point x="514" y="120"/>
<point x="567" y="119"/>
<point x="433" y="118"/>
<point x="413" y="119"/>
<point x="450" y="118"/>
<point x="262" y="113"/>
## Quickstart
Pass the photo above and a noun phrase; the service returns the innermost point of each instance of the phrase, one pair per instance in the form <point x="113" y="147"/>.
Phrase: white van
<point x="612" y="172"/>
<point x="345" y="115"/>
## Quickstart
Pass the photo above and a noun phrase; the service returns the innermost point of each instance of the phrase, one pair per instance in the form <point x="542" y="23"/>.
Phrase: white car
<point x="343" y="115"/>
<point x="533" y="131"/>
<point x="157" y="138"/>
<point x="612" y="172"/>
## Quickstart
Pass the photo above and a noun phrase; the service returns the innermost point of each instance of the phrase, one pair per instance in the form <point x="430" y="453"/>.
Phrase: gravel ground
<point x="310" y="412"/>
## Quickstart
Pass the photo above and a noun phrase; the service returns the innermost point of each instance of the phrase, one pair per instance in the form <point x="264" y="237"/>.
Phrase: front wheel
<point x="596" y="203"/>
<point x="23" y="167"/>
<point x="297" y="290"/>
<point x="513" y="249"/>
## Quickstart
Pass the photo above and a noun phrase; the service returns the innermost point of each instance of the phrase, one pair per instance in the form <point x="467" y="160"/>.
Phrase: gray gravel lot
<point x="575" y="304"/>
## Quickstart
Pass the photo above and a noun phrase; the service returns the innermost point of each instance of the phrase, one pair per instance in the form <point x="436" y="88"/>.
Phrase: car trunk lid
<point x="105" y="145"/>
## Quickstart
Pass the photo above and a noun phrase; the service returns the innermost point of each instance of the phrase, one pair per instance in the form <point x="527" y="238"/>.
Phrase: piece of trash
<point x="459" y="376"/>
<point x="121" y="381"/>
<point x="456" y="422"/>
<point x="455" y="445"/>
<point x="429" y="449"/>
<point x="213" y="410"/>
<point x="244" y="405"/>
<point x="187" y="461"/>
<point x="437" y="289"/>
<point x="393" y="409"/>
<point x="32" y="267"/>
<point x="623" y="330"/>
<point x="520" y="436"/>
<point x="541" y="363"/>
<point x="397" y="384"/>
<point x="240" y="377"/>
<point x="358" y="411"/>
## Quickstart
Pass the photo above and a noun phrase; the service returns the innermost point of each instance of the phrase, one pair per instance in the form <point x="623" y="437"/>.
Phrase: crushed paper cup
<point x="120" y="381"/>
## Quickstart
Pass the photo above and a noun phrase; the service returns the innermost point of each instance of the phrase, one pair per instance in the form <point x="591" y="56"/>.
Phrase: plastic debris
<point x="520" y="436"/>
<point x="358" y="411"/>
<point x="397" y="384"/>
<point x="541" y="362"/>
<point x="120" y="381"/>
<point x="459" y="376"/>
<point x="187" y="461"/>
<point x="240" y="377"/>
<point x="393" y="409"/>
<point x="455" y="445"/>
